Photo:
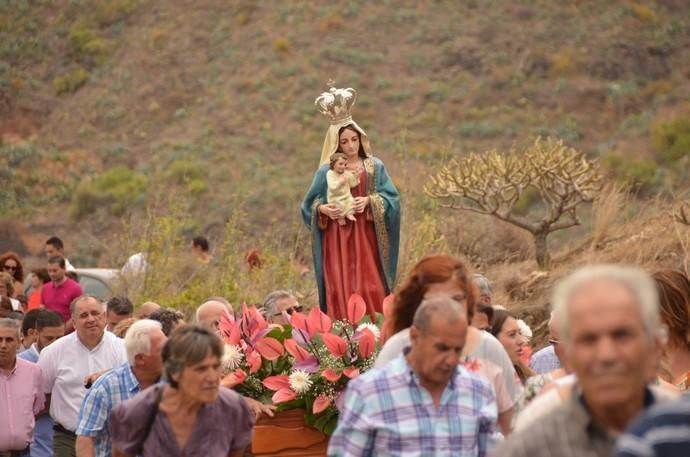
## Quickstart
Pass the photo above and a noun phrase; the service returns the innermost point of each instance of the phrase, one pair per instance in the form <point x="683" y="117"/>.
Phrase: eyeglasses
<point x="554" y="342"/>
<point x="291" y="310"/>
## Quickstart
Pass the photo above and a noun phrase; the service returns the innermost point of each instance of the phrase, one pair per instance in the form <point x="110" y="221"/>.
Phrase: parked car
<point x="99" y="282"/>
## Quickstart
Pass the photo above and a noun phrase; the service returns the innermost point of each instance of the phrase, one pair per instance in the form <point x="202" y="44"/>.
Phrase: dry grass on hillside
<point x="654" y="239"/>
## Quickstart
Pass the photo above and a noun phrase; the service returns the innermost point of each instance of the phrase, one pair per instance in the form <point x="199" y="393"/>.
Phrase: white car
<point x="99" y="282"/>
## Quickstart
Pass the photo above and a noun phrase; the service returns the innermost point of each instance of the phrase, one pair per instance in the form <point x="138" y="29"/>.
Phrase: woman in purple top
<point x="191" y="415"/>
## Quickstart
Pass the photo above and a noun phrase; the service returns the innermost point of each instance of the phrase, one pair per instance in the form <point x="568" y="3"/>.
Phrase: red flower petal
<point x="254" y="360"/>
<point x="335" y="344"/>
<point x="277" y="382"/>
<point x="351" y="372"/>
<point x="283" y="395"/>
<point x="270" y="348"/>
<point x="321" y="403"/>
<point x="330" y="375"/>
<point x="234" y="379"/>
<point x="318" y="321"/>
<point x="296" y="350"/>
<point x="356" y="308"/>
<point x="367" y="343"/>
<point x="299" y="321"/>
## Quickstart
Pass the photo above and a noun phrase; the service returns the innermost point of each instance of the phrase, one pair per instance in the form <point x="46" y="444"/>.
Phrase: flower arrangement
<point x="305" y="364"/>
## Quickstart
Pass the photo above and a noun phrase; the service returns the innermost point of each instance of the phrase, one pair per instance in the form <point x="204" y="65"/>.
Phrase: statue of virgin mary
<point x="361" y="256"/>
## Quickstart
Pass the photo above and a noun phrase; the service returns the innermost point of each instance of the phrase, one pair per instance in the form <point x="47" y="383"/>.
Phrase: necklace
<point x="357" y="169"/>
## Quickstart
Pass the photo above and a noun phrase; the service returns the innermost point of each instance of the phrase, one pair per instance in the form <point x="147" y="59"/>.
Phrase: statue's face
<point x="349" y="143"/>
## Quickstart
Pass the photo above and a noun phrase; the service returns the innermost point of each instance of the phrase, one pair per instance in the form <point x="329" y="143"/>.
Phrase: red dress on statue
<point x="351" y="262"/>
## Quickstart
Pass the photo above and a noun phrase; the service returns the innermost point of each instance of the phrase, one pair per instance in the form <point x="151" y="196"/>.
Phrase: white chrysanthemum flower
<point x="372" y="328"/>
<point x="525" y="331"/>
<point x="232" y="357"/>
<point x="300" y="381"/>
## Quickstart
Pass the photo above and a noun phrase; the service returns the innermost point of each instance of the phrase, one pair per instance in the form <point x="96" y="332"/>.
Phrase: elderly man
<point x="278" y="303"/>
<point x="49" y="328"/>
<point x="608" y="318"/>
<point x="21" y="394"/>
<point x="144" y="342"/>
<point x="211" y="311"/>
<point x="68" y="363"/>
<point x="546" y="360"/>
<point x="423" y="402"/>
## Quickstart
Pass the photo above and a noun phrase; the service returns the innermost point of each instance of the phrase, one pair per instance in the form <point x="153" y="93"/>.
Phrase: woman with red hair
<point x="482" y="353"/>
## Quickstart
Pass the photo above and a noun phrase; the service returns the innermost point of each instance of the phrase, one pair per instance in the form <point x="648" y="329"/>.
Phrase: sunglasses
<point x="291" y="310"/>
<point x="10" y="267"/>
<point x="554" y="342"/>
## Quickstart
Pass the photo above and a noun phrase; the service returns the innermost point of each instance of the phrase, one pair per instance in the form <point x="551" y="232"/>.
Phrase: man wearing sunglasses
<point x="277" y="304"/>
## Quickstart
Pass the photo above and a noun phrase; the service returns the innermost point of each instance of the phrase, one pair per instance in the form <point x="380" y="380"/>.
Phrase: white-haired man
<point x="144" y="342"/>
<point x="68" y="363"/>
<point x="608" y="318"/>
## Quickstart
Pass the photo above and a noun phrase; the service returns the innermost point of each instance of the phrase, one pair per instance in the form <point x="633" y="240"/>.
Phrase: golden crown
<point x="336" y="104"/>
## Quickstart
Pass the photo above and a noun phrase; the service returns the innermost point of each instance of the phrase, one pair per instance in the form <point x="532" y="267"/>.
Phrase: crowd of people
<point x="456" y="374"/>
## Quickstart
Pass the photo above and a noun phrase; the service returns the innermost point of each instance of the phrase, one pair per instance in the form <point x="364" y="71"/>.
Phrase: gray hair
<point x="635" y="280"/>
<point x="443" y="306"/>
<point x="482" y="283"/>
<point x="138" y="338"/>
<point x="271" y="299"/>
<point x="7" y="322"/>
<point x="76" y="301"/>
<point x="187" y="346"/>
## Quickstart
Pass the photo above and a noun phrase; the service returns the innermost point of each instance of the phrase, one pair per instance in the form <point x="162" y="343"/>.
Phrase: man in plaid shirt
<point x="424" y="402"/>
<point x="144" y="341"/>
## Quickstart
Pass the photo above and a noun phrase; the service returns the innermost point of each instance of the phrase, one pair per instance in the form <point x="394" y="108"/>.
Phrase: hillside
<point x="106" y="105"/>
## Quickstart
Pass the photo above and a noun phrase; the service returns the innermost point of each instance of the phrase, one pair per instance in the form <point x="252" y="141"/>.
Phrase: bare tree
<point x="493" y="183"/>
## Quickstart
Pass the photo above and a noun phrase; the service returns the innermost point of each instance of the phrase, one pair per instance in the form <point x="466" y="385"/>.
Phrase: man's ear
<point x="414" y="334"/>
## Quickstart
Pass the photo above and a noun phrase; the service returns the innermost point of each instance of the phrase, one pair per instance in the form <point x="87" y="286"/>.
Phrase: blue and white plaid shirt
<point x="111" y="389"/>
<point x="545" y="360"/>
<point x="388" y="413"/>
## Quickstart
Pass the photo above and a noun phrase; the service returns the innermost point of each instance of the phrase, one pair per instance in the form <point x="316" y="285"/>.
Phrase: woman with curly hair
<point x="482" y="353"/>
<point x="10" y="263"/>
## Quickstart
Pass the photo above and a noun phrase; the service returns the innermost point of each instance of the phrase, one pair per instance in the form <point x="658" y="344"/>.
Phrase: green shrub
<point x="183" y="170"/>
<point x="673" y="139"/>
<point x="117" y="189"/>
<point x="71" y="81"/>
<point x="107" y="12"/>
<point x="89" y="48"/>
<point x="640" y="174"/>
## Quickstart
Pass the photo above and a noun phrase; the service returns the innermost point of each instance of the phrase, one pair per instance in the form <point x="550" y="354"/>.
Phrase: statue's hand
<point x="330" y="210"/>
<point x="360" y="204"/>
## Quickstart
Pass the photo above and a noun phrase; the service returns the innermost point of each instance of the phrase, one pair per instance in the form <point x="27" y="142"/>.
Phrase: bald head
<point x="210" y="313"/>
<point x="146" y="309"/>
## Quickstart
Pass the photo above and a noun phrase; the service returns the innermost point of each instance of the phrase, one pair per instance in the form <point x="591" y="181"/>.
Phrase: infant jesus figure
<point x="340" y="180"/>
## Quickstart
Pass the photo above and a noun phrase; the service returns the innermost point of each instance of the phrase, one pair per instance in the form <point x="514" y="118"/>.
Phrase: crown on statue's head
<point x="336" y="104"/>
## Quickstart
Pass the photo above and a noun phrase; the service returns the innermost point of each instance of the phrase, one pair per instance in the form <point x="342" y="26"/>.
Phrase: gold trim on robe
<point x="378" y="213"/>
